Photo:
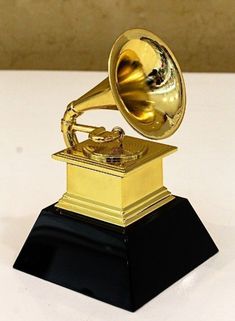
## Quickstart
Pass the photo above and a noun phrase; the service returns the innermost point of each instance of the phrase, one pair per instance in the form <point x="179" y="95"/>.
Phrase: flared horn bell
<point x="147" y="83"/>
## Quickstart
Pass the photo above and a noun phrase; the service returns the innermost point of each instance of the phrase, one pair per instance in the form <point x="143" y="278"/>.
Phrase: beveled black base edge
<point x="125" y="267"/>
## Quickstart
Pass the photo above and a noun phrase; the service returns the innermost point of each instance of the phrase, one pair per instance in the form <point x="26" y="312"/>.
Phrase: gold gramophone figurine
<point x="118" y="234"/>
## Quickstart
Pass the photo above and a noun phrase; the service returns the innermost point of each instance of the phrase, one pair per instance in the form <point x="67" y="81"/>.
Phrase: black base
<point x="125" y="267"/>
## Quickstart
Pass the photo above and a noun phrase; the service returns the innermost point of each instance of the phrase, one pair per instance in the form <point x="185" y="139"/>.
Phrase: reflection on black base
<point x="125" y="267"/>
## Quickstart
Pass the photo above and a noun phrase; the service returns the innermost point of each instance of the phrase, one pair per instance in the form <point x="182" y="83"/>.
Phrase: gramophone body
<point x="117" y="233"/>
<point x="146" y="85"/>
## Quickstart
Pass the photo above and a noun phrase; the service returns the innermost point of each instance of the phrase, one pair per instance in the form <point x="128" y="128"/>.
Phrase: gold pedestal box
<point x="118" y="193"/>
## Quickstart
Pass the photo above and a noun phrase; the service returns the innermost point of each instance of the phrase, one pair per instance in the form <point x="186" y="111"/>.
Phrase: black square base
<point x="125" y="267"/>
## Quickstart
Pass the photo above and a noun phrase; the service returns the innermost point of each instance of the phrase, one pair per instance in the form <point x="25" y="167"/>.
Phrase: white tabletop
<point x="203" y="170"/>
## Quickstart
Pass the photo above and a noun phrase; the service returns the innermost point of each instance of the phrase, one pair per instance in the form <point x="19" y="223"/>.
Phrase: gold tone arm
<point x="83" y="128"/>
<point x="99" y="97"/>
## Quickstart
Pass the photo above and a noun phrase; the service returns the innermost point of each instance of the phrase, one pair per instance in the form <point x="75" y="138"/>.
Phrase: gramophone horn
<point x="145" y="84"/>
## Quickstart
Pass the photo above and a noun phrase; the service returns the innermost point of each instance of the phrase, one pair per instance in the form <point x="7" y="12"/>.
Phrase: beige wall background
<point x="78" y="34"/>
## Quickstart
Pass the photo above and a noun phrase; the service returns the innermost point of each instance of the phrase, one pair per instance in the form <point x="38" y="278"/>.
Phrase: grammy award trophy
<point x="118" y="234"/>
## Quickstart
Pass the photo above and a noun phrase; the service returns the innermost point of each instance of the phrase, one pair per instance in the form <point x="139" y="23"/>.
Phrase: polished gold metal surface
<point x="77" y="157"/>
<point x="118" y="193"/>
<point x="110" y="176"/>
<point x="145" y="83"/>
